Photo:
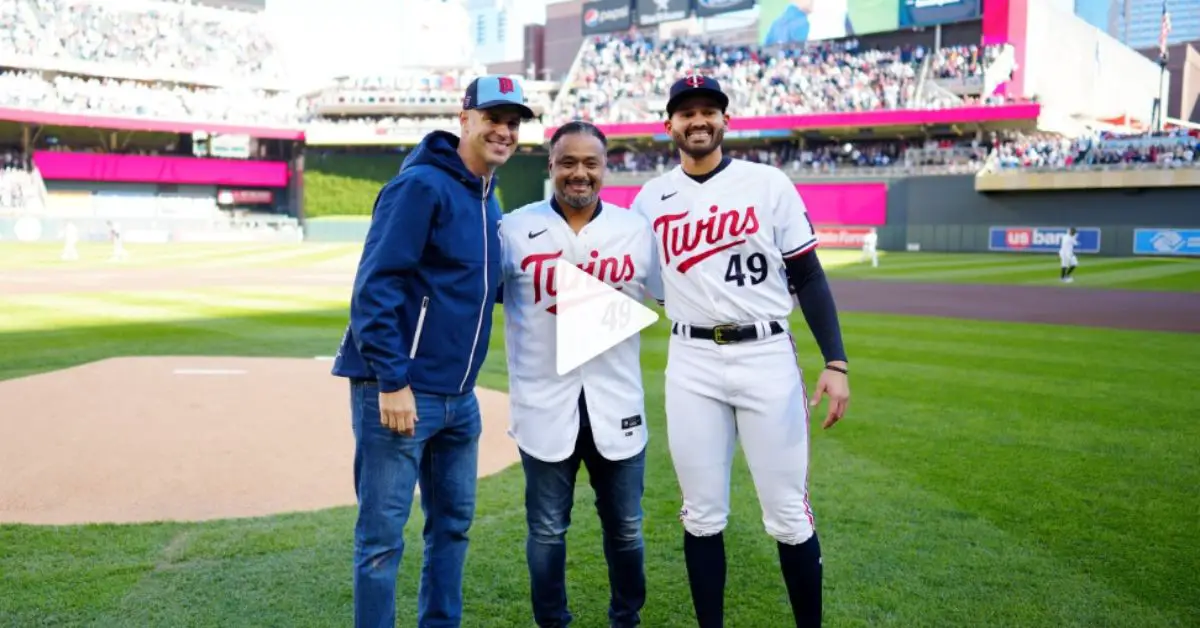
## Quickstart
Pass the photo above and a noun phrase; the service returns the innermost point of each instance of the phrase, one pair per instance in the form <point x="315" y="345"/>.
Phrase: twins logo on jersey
<point x="610" y="270"/>
<point x="694" y="242"/>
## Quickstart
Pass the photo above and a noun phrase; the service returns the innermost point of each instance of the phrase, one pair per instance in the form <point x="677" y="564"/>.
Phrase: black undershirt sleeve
<point x="808" y="282"/>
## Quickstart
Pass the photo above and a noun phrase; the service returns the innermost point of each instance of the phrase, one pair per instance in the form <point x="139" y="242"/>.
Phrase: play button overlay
<point x="592" y="317"/>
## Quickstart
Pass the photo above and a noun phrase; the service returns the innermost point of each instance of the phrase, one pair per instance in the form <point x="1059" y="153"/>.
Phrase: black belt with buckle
<point x="728" y="334"/>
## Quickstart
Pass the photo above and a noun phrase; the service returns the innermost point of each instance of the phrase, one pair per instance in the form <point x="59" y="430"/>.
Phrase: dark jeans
<point x="549" y="494"/>
<point x="442" y="457"/>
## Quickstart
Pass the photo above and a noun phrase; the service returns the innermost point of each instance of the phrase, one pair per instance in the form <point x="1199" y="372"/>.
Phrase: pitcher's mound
<point x="188" y="438"/>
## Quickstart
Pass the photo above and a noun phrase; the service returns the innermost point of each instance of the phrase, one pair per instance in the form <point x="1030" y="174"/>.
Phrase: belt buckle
<point x="719" y="336"/>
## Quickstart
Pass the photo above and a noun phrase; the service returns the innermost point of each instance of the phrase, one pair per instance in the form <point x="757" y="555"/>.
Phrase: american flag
<point x="1164" y="30"/>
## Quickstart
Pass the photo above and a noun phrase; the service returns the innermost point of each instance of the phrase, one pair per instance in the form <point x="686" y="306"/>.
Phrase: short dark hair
<point x="578" y="126"/>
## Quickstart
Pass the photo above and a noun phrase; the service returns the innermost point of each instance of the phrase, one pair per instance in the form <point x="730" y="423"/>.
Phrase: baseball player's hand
<point x="398" y="411"/>
<point x="837" y="387"/>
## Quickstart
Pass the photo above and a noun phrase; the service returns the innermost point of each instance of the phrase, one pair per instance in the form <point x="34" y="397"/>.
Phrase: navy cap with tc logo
<point x="694" y="85"/>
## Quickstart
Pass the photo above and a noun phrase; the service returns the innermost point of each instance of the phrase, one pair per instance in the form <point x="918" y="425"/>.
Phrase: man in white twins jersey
<point x="594" y="414"/>
<point x="735" y="249"/>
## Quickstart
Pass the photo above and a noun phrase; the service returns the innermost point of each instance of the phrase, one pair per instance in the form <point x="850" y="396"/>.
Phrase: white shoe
<point x="1069" y="280"/>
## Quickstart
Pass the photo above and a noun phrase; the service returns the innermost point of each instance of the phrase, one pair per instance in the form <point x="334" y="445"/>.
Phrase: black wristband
<point x="838" y="369"/>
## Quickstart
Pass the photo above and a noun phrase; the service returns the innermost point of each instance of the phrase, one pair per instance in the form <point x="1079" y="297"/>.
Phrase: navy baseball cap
<point x="696" y="85"/>
<point x="487" y="92"/>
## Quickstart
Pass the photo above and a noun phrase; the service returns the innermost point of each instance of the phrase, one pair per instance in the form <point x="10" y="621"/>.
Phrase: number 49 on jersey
<point x="754" y="269"/>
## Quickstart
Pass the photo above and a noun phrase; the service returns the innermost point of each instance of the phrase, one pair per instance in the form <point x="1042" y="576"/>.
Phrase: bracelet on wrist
<point x="838" y="369"/>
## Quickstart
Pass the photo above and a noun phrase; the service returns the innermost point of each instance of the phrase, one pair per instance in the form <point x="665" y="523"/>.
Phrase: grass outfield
<point x="1121" y="273"/>
<point x="988" y="474"/>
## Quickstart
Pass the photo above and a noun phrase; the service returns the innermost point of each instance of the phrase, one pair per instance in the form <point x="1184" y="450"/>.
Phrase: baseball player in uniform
<point x="594" y="414"/>
<point x="731" y="237"/>
<point x="1066" y="255"/>
<point x="114" y="233"/>
<point x="70" y="251"/>
<point x="869" y="252"/>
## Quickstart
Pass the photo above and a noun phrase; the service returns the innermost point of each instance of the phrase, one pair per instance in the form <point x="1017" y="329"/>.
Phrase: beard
<point x="579" y="201"/>
<point x="697" y="151"/>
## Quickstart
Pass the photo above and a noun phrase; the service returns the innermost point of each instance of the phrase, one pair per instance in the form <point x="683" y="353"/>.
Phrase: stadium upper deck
<point x="137" y="63"/>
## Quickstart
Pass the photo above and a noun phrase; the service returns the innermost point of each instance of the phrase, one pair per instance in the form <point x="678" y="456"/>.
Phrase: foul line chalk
<point x="323" y="357"/>
<point x="209" y="372"/>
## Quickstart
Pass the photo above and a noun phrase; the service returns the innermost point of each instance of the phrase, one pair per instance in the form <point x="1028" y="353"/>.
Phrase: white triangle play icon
<point x="592" y="317"/>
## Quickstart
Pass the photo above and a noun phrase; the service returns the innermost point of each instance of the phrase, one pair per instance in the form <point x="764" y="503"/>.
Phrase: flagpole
<point x="1156" y="115"/>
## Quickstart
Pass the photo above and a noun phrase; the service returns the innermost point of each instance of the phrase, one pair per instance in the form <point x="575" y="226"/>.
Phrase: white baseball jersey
<point x="721" y="244"/>
<point x="870" y="239"/>
<point x="1066" y="247"/>
<point x="616" y="248"/>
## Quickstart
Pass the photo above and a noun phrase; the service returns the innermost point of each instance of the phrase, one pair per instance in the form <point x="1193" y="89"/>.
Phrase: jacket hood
<point x="440" y="150"/>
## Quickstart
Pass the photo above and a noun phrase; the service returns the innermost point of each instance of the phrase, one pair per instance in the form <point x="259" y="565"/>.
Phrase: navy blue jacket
<point x="421" y="309"/>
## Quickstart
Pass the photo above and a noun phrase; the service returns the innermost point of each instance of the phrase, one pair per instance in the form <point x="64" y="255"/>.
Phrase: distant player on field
<point x="70" y="241"/>
<point x="114" y="232"/>
<point x="870" y="240"/>
<point x="1066" y="255"/>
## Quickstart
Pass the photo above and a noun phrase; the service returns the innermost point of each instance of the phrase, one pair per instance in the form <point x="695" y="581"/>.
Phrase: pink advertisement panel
<point x="141" y="124"/>
<point x="896" y="117"/>
<point x="857" y="204"/>
<point x="141" y="169"/>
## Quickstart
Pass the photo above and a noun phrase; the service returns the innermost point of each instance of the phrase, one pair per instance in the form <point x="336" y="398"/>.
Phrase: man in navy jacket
<point x="420" y="319"/>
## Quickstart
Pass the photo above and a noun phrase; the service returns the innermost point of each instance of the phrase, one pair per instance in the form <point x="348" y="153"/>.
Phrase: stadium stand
<point x="163" y="36"/>
<point x="1165" y="149"/>
<point x="169" y="60"/>
<point x="830" y="159"/>
<point x="625" y="78"/>
<point x="127" y="98"/>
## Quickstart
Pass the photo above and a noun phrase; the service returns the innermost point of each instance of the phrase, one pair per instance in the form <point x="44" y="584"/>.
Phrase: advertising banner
<point x="245" y="197"/>
<point x="147" y="169"/>
<point x="934" y="12"/>
<point x="829" y="204"/>
<point x="708" y="8"/>
<point x="652" y="12"/>
<point x="841" y="237"/>
<point x="1174" y="242"/>
<point x="1041" y="239"/>
<point x="606" y="16"/>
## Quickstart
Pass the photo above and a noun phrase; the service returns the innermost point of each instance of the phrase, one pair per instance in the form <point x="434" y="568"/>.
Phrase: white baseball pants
<point x="753" y="392"/>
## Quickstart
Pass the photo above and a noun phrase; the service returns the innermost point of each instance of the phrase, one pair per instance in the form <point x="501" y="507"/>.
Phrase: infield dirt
<point x="141" y="439"/>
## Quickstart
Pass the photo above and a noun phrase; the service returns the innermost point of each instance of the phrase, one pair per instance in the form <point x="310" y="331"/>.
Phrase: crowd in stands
<point x="924" y="156"/>
<point x="961" y="62"/>
<point x="122" y="98"/>
<point x="624" y="78"/>
<point x="16" y="184"/>
<point x="167" y="36"/>
<point x="417" y="87"/>
<point x="1169" y="148"/>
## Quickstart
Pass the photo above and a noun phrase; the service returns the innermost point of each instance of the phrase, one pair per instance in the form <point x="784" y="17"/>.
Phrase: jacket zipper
<point x="483" y="299"/>
<point x="412" y="354"/>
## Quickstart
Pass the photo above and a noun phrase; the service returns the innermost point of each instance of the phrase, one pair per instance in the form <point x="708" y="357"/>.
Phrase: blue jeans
<point x="442" y="457"/>
<point x="549" y="494"/>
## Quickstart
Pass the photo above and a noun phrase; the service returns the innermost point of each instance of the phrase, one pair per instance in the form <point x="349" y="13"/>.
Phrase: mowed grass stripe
<point x="97" y="254"/>
<point x="281" y="256"/>
<point x="1142" y="275"/>
<point x="182" y="255"/>
<point x="898" y="264"/>
<point x="1046" y="265"/>
<point x="1027" y="269"/>
<point x="288" y="334"/>
<point x="49" y="311"/>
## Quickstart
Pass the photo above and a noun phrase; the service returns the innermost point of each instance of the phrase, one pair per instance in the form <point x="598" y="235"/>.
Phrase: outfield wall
<point x="945" y="213"/>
